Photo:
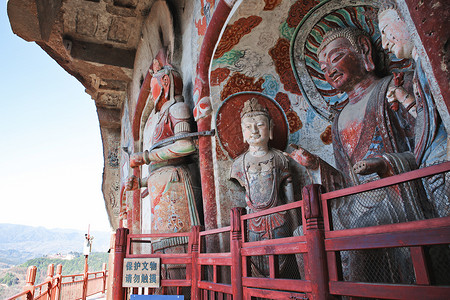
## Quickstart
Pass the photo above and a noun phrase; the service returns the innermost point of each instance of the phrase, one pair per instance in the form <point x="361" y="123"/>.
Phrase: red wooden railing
<point x="319" y="245"/>
<point x="59" y="286"/>
<point x="413" y="235"/>
<point x="133" y="244"/>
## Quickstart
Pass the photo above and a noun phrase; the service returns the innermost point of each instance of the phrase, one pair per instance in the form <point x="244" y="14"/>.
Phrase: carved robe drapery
<point x="384" y="134"/>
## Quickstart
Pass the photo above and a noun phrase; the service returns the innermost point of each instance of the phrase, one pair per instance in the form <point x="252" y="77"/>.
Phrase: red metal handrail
<point x="318" y="246"/>
<point x="56" y="287"/>
<point x="211" y="286"/>
<point x="413" y="235"/>
<point x="389" y="181"/>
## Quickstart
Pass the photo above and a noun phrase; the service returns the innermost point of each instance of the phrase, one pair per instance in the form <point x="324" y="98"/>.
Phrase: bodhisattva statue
<point x="370" y="140"/>
<point x="170" y="188"/>
<point x="430" y="135"/>
<point x="264" y="173"/>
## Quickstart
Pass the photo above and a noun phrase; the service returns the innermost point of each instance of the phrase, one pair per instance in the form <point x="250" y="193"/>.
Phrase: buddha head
<point x="395" y="36"/>
<point x="256" y="124"/>
<point x="345" y="57"/>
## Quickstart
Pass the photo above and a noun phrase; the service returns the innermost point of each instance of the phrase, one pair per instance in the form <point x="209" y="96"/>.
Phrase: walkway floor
<point x="97" y="296"/>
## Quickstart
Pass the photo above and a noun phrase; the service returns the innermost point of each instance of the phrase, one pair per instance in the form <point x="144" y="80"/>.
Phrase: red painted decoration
<point x="219" y="75"/>
<point x="283" y="100"/>
<point x="201" y="88"/>
<point x="234" y="32"/>
<point x="241" y="83"/>
<point x="280" y="56"/>
<point x="433" y="32"/>
<point x="295" y="124"/>
<point x="271" y="4"/>
<point x="298" y="11"/>
<point x="326" y="136"/>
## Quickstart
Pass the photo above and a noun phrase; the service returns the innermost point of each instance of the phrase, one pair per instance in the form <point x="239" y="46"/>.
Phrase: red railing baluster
<point x="235" y="249"/>
<point x="314" y="233"/>
<point x="119" y="255"/>
<point x="58" y="282"/>
<point x="193" y="269"/>
<point x="420" y="266"/>
<point x="104" y="277"/>
<point x="31" y="277"/>
<point x="49" y="279"/>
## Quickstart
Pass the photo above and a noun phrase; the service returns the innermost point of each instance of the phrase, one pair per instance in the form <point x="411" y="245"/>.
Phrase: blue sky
<point x="51" y="160"/>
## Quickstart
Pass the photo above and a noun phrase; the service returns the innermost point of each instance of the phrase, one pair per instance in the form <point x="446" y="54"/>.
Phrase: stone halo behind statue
<point x="228" y="124"/>
<point x="362" y="14"/>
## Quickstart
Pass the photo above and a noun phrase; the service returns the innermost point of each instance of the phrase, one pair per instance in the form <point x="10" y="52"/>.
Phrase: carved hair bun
<point x="252" y="107"/>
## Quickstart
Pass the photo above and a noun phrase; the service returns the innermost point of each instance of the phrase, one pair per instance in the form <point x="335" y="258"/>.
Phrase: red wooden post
<point x="58" y="282"/>
<point x="104" y="277"/>
<point x="31" y="277"/>
<point x="109" y="280"/>
<point x="120" y="248"/>
<point x="194" y="267"/>
<point x="49" y="279"/>
<point x="201" y="92"/>
<point x="85" y="278"/>
<point x="235" y="249"/>
<point x="420" y="265"/>
<point x="314" y="233"/>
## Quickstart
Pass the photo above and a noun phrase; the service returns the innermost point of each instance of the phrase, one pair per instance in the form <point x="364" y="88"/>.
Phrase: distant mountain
<point x="19" y="243"/>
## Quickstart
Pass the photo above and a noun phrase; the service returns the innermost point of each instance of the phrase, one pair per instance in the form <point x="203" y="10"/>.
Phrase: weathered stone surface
<point x="102" y="54"/>
<point x="111" y="84"/>
<point x="126" y="3"/>
<point x="33" y="20"/>
<point x="48" y="11"/>
<point x="86" y="23"/>
<point x="109" y="117"/>
<point x="110" y="99"/>
<point x="111" y="172"/>
<point x="24" y="21"/>
<point x="119" y="30"/>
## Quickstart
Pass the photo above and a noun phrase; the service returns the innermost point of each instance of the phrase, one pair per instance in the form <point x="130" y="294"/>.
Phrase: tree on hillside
<point x="9" y="279"/>
<point x="69" y="267"/>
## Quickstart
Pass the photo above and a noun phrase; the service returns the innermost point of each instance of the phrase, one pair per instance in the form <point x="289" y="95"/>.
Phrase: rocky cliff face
<point x="95" y="41"/>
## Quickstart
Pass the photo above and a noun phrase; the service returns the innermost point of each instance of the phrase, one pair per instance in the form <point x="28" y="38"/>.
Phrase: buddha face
<point x="395" y="36"/>
<point x="256" y="130"/>
<point x="342" y="65"/>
